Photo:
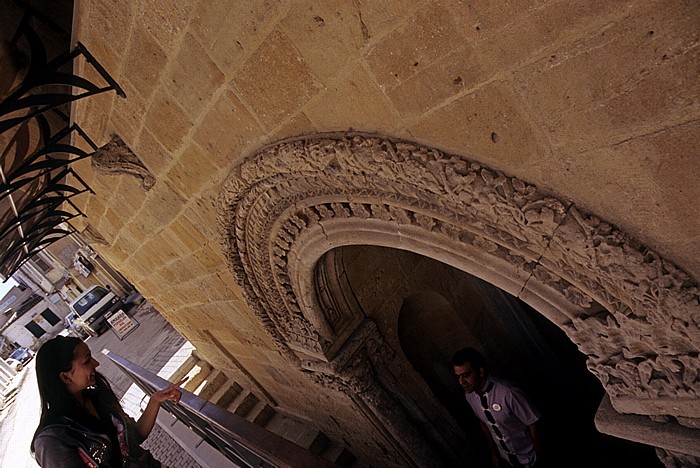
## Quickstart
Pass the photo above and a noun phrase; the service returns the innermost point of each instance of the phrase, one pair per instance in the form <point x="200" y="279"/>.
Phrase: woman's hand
<point x="171" y="393"/>
<point x="148" y="417"/>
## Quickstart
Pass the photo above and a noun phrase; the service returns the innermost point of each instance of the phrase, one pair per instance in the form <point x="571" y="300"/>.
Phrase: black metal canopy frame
<point x="37" y="182"/>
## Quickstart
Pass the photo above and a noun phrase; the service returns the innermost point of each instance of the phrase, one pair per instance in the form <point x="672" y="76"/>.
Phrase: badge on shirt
<point x="496" y="407"/>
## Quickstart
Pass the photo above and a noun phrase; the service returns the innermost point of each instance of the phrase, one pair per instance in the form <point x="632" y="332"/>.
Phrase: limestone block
<point x="133" y="197"/>
<point x="192" y="293"/>
<point x="192" y="171"/>
<point x="165" y="20"/>
<point x="454" y="73"/>
<point x="167" y="121"/>
<point x="126" y="243"/>
<point x="585" y="103"/>
<point x="187" y="233"/>
<point x="137" y="230"/>
<point x="297" y="125"/>
<point x="328" y="34"/>
<point x="145" y="62"/>
<point x="128" y="114"/>
<point x="202" y="213"/>
<point x="648" y="172"/>
<point x="103" y="51"/>
<point x="229" y="31"/>
<point x="226" y="129"/>
<point x="163" y="204"/>
<point x="539" y="29"/>
<point x="111" y="20"/>
<point x="489" y="122"/>
<point x="380" y="16"/>
<point x="353" y="102"/>
<point x="276" y="81"/>
<point x="208" y="258"/>
<point x="154" y="156"/>
<point x="121" y="209"/>
<point x="430" y="34"/>
<point x="193" y="77"/>
<point x="95" y="208"/>
<point x="195" y="267"/>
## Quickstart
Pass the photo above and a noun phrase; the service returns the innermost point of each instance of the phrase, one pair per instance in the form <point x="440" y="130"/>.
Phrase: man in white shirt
<point x="507" y="417"/>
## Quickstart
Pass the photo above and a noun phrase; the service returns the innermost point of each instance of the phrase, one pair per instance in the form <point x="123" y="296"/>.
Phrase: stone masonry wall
<point x="596" y="101"/>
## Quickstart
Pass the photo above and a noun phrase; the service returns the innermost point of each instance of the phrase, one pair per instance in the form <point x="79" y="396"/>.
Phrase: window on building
<point x="42" y="264"/>
<point x="35" y="329"/>
<point x="50" y="317"/>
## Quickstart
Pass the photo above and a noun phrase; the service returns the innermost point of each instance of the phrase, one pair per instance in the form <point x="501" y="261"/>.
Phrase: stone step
<point x="261" y="414"/>
<point x="184" y="368"/>
<point x="339" y="454"/>
<point x="298" y="432"/>
<point x="243" y="404"/>
<point x="212" y="384"/>
<point x="197" y="375"/>
<point x="226" y="394"/>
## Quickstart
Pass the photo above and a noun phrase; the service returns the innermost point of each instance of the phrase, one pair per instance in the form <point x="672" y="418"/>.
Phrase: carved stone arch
<point x="634" y="314"/>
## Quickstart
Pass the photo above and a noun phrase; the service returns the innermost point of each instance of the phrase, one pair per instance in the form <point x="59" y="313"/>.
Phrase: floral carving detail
<point x="643" y="341"/>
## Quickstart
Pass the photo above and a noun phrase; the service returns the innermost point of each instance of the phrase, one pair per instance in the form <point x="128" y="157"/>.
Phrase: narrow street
<point x="154" y="344"/>
<point x="20" y="421"/>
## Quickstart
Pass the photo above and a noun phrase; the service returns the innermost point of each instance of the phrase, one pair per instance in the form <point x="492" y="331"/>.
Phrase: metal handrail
<point x="240" y="440"/>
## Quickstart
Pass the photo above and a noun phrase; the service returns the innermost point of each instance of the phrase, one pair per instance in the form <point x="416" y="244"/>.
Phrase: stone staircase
<point x="215" y="386"/>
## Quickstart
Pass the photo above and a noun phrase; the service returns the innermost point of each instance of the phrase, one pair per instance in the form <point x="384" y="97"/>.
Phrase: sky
<point x="6" y="286"/>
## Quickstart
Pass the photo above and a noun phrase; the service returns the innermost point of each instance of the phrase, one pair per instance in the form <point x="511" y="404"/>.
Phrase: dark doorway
<point x="438" y="309"/>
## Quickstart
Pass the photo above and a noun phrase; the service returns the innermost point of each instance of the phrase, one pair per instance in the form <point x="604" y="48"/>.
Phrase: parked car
<point x="22" y="355"/>
<point x="92" y="306"/>
<point x="14" y="364"/>
<point x="76" y="327"/>
<point x="18" y="358"/>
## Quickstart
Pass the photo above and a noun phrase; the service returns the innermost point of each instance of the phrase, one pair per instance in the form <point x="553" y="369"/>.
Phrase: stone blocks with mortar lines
<point x="220" y="144"/>
<point x="276" y="82"/>
<point x="594" y="102"/>
<point x="193" y="77"/>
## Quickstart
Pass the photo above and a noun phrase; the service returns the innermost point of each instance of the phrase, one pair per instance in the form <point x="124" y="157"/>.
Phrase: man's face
<point x="469" y="378"/>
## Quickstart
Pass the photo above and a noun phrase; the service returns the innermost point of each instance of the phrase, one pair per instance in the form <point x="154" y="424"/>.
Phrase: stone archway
<point x="634" y="314"/>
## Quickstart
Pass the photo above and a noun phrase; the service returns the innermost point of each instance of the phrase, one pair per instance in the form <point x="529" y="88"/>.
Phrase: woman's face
<point x="82" y="374"/>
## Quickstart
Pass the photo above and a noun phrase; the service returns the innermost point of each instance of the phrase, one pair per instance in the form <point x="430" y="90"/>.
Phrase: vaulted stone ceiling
<point x="594" y="103"/>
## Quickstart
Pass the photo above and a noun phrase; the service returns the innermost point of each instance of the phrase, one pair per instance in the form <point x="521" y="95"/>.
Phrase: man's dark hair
<point x="470" y="355"/>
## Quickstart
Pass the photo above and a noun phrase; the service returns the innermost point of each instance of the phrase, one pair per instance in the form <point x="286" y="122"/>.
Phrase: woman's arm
<point x="148" y="419"/>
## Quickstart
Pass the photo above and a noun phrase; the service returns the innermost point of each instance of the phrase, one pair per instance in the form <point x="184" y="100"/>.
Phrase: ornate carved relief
<point x="117" y="158"/>
<point x="336" y="189"/>
<point x="676" y="460"/>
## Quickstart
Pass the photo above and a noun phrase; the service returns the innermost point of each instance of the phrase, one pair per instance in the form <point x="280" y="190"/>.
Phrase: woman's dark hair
<point x="54" y="357"/>
<point x="470" y="355"/>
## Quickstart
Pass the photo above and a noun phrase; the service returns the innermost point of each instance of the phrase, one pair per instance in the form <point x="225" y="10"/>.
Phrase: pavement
<point x="154" y="345"/>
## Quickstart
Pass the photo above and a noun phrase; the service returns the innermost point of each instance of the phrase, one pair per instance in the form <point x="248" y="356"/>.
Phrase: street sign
<point x="121" y="324"/>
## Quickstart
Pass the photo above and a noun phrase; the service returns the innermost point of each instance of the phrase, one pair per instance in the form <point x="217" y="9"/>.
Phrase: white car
<point x="14" y="364"/>
<point x="93" y="307"/>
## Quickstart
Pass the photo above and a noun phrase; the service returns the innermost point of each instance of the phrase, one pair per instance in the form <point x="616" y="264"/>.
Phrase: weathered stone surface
<point x="355" y="96"/>
<point x="192" y="171"/>
<point x="167" y="121"/>
<point x="328" y="34"/>
<point x="490" y="122"/>
<point x="194" y="78"/>
<point x="216" y="134"/>
<point x="593" y="103"/>
<point x="146" y="70"/>
<point x="276" y="81"/>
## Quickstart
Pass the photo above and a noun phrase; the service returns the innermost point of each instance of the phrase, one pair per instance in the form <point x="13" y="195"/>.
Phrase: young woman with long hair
<point x="82" y="423"/>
